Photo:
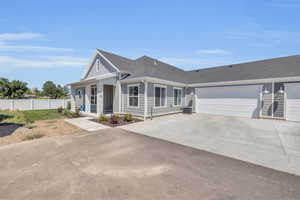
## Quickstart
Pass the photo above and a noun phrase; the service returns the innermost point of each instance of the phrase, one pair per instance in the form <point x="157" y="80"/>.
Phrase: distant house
<point x="146" y="86"/>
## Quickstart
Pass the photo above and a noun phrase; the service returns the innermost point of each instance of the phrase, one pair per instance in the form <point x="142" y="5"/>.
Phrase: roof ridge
<point x="102" y="51"/>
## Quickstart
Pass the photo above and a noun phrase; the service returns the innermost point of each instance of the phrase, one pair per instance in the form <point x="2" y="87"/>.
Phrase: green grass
<point x="27" y="117"/>
<point x="33" y="136"/>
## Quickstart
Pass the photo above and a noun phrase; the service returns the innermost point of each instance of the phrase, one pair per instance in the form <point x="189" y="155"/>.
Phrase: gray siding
<point x="105" y="68"/>
<point x="190" y="97"/>
<point x="170" y="108"/>
<point x="266" y="109"/>
<point x="135" y="111"/>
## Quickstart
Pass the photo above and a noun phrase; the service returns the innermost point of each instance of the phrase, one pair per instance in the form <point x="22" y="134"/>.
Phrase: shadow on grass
<point x="4" y="117"/>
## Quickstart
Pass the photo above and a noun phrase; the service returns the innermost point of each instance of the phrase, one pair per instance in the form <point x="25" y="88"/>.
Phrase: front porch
<point x="96" y="96"/>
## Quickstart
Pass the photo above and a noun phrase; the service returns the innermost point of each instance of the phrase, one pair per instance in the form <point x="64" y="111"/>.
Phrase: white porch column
<point x="87" y="98"/>
<point x="146" y="99"/>
<point x="99" y="97"/>
<point x="117" y="97"/>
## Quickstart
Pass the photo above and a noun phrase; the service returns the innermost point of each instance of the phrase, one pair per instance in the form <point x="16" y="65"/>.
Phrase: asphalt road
<point x="119" y="165"/>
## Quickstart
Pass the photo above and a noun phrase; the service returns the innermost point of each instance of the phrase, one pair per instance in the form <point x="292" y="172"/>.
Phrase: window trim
<point x="93" y="86"/>
<point x="133" y="85"/>
<point x="160" y="86"/>
<point x="177" y="88"/>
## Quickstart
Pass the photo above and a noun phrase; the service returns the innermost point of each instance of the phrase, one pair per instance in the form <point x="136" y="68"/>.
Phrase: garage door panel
<point x="242" y="101"/>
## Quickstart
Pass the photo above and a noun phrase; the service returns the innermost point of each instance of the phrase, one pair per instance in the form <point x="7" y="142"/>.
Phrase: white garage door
<point x="293" y="101"/>
<point x="241" y="101"/>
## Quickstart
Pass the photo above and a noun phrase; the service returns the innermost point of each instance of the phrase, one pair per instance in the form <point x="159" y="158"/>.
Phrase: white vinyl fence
<point x="33" y="104"/>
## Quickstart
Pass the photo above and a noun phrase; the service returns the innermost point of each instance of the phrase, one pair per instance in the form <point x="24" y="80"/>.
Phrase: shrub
<point x="77" y="112"/>
<point x="128" y="117"/>
<point x="69" y="105"/>
<point x="115" y="119"/>
<point x="33" y="136"/>
<point x="103" y="118"/>
<point x="60" y="110"/>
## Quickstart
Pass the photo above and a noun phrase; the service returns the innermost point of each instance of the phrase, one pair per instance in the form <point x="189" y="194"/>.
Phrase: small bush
<point x="33" y="136"/>
<point x="69" y="105"/>
<point x="60" y="110"/>
<point x="103" y="118"/>
<point x="30" y="127"/>
<point x="77" y="112"/>
<point x="115" y="119"/>
<point x="128" y="117"/>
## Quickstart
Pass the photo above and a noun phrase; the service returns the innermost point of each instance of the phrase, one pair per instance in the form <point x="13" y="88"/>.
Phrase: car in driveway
<point x="270" y="143"/>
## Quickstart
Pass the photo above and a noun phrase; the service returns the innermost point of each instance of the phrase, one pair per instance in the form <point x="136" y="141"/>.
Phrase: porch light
<point x="280" y="91"/>
<point x="266" y="91"/>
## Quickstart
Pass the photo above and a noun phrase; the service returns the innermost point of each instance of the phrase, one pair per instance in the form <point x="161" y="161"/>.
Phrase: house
<point x="148" y="87"/>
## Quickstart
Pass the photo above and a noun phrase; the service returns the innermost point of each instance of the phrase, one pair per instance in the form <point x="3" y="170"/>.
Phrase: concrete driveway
<point x="116" y="164"/>
<point x="270" y="143"/>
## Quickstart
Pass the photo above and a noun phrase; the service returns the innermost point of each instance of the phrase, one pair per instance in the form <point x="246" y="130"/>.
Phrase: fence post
<point x="32" y="104"/>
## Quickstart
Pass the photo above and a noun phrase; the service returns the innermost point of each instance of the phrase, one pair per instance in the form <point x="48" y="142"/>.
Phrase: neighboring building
<point x="147" y="86"/>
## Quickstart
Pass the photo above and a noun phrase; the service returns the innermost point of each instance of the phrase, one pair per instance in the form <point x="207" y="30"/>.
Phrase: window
<point x="160" y="96"/>
<point x="177" y="95"/>
<point x="133" y="95"/>
<point x="98" y="65"/>
<point x="94" y="94"/>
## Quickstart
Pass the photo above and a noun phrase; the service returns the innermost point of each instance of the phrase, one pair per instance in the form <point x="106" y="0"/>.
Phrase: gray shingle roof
<point x="146" y="66"/>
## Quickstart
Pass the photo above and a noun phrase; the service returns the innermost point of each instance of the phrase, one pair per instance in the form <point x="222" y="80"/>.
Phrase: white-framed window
<point x="93" y="94"/>
<point x="133" y="95"/>
<point x="160" y="96"/>
<point x="177" y="96"/>
<point x="98" y="62"/>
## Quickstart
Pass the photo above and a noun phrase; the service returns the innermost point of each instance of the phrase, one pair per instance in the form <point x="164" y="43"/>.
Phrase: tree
<point x="54" y="91"/>
<point x="50" y="90"/>
<point x="12" y="90"/>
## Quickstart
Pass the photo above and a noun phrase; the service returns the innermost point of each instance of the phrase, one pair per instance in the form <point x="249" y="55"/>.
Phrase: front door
<point x="93" y="99"/>
<point x="108" y="98"/>
<point x="273" y="100"/>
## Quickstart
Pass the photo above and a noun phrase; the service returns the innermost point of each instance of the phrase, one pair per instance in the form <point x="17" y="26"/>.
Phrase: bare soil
<point x="12" y="133"/>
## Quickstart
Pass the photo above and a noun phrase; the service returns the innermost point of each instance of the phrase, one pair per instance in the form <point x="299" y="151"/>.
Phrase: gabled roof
<point x="150" y="67"/>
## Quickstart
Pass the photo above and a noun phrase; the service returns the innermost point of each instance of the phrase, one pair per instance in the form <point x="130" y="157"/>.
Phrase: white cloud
<point x="42" y="62"/>
<point x="6" y="47"/>
<point x="213" y="51"/>
<point x="20" y="36"/>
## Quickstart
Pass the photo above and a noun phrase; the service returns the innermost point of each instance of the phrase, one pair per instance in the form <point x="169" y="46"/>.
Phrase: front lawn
<point x="23" y="117"/>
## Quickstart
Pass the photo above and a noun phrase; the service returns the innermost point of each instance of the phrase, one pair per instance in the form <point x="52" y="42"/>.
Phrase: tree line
<point x="17" y="89"/>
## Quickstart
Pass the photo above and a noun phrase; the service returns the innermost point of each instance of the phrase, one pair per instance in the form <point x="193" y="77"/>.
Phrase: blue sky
<point x="54" y="40"/>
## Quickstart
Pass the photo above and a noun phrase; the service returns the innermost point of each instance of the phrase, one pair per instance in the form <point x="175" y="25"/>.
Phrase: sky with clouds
<point x="54" y="40"/>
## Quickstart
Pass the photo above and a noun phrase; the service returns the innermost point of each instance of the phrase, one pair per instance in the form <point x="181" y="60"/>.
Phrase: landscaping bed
<point x="116" y="120"/>
<point x="17" y="126"/>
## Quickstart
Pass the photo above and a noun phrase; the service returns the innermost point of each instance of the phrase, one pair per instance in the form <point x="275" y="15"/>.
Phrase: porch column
<point x="146" y="99"/>
<point x="87" y="98"/>
<point x="99" y="97"/>
<point x="117" y="98"/>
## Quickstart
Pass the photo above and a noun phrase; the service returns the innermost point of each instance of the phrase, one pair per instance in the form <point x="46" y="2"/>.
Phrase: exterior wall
<point x="169" y="108"/>
<point x="190" y="98"/>
<point x="104" y="68"/>
<point x="124" y="105"/>
<point x="267" y="100"/>
<point x="293" y="101"/>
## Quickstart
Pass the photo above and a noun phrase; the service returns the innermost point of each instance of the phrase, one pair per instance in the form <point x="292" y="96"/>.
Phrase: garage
<point x="240" y="101"/>
<point x="293" y="101"/>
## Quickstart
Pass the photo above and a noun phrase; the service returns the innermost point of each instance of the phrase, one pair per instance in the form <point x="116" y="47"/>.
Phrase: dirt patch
<point x="121" y="122"/>
<point x="12" y="133"/>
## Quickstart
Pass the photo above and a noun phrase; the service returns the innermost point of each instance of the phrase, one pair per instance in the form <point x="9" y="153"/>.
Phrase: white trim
<point x="133" y="85"/>
<point x="146" y="99"/>
<point x="94" y="57"/>
<point x="177" y="88"/>
<point x="117" y="69"/>
<point x="153" y="80"/>
<point x="246" y="82"/>
<point x="166" y="97"/>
